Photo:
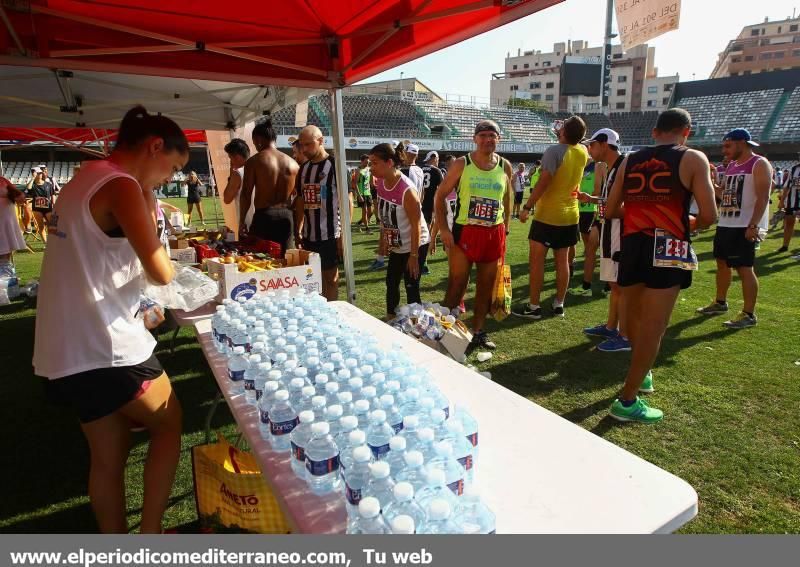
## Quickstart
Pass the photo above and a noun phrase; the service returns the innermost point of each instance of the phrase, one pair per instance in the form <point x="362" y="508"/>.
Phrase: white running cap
<point x="402" y="525"/>
<point x="370" y="507"/>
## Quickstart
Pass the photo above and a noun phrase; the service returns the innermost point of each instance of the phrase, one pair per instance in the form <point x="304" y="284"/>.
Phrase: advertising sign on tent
<point x="639" y="21"/>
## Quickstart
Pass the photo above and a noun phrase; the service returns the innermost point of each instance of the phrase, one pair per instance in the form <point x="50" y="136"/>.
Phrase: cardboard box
<point x="306" y="273"/>
<point x="456" y="340"/>
<point x="184" y="255"/>
<point x="178" y="243"/>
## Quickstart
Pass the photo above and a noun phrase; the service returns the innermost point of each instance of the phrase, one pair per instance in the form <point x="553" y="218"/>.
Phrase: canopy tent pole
<point x="214" y="188"/>
<point x="344" y="190"/>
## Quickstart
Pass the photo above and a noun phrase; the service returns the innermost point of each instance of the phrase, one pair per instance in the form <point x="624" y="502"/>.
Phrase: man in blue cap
<point x="743" y="219"/>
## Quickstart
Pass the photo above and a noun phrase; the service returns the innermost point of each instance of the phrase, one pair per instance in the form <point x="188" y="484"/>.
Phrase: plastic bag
<point x="501" y="297"/>
<point x="190" y="289"/>
<point x="9" y="280"/>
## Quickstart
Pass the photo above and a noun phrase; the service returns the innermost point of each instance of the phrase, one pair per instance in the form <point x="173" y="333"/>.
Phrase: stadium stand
<point x="522" y="125"/>
<point x="787" y="127"/>
<point x="634" y="128"/>
<point x="715" y="115"/>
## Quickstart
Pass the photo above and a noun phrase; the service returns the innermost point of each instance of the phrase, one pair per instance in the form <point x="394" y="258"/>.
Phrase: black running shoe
<point x="558" y="310"/>
<point x="526" y="312"/>
<point x="783" y="249"/>
<point x="481" y="340"/>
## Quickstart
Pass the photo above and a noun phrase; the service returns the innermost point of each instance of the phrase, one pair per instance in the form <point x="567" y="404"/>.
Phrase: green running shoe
<point x="640" y="411"/>
<point x="647" y="384"/>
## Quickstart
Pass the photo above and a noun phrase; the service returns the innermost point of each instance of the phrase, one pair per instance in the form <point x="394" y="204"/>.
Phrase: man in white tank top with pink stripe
<point x="743" y="218"/>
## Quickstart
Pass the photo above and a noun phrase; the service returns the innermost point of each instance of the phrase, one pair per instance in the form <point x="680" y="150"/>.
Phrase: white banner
<point x="425" y="144"/>
<point x="639" y="21"/>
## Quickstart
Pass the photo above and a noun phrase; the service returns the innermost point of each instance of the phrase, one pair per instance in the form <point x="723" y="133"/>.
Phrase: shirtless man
<point x="238" y="152"/>
<point x="272" y="174"/>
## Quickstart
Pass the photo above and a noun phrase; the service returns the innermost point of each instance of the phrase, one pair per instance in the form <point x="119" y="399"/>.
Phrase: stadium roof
<point x="226" y="63"/>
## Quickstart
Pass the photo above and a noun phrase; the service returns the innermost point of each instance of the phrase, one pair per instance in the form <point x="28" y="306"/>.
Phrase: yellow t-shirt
<point x="558" y="206"/>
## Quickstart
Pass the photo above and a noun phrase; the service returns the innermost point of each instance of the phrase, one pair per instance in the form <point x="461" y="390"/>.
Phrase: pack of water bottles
<point x="359" y="418"/>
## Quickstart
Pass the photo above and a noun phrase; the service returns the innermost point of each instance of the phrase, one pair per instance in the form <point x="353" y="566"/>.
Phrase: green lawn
<point x="732" y="426"/>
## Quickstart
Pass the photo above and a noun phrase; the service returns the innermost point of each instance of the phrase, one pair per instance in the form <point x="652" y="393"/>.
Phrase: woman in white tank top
<point x="91" y="345"/>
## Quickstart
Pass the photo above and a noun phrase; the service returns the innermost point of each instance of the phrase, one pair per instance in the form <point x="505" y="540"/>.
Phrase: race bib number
<point x="312" y="195"/>
<point x="41" y="203"/>
<point x="452" y="205"/>
<point x="601" y="209"/>
<point x="483" y="211"/>
<point x="669" y="252"/>
<point x="729" y="199"/>
<point x="391" y="236"/>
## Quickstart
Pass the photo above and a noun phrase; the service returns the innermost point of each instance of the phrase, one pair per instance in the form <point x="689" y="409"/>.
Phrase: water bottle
<point x="403" y="525"/>
<point x="240" y="338"/>
<point x="343" y="377"/>
<point x="473" y="516"/>
<point x="275" y="375"/>
<point x="378" y="382"/>
<point x="299" y="439"/>
<point x="322" y="460"/>
<point x="393" y="416"/>
<point x="470" y="427"/>
<point x="222" y="334"/>
<point x="361" y="410"/>
<point x="258" y="347"/>
<point x="333" y="413"/>
<point x="435" y="488"/>
<point x="379" y="434"/>
<point x="312" y="362"/>
<point x="351" y="365"/>
<point x="462" y="449"/>
<point x="320" y="383"/>
<point x="261" y="378"/>
<point x="454" y="473"/>
<point x="397" y="454"/>
<point x="264" y="405"/>
<point x="438" y="424"/>
<point x="291" y="352"/>
<point x="355" y="439"/>
<point x="347" y="423"/>
<point x="439" y="521"/>
<point x="282" y="421"/>
<point x="288" y="369"/>
<point x="329" y="371"/>
<point x="392" y="387"/>
<point x="365" y="372"/>
<point x="237" y="366"/>
<point x="409" y="431"/>
<point x="307" y="394"/>
<point x="381" y="485"/>
<point x="345" y="399"/>
<point x="411" y="404"/>
<point x="278" y="360"/>
<point x="355" y="385"/>
<point x="403" y="504"/>
<point x="296" y="386"/>
<point x="332" y="393"/>
<point x="216" y="325"/>
<point x="250" y="377"/>
<point x="356" y="478"/>
<point x="318" y="405"/>
<point x="414" y="471"/>
<point x="425" y="442"/>
<point x="370" y="520"/>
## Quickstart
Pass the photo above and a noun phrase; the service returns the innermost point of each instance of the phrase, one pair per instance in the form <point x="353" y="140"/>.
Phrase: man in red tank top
<point x="651" y="193"/>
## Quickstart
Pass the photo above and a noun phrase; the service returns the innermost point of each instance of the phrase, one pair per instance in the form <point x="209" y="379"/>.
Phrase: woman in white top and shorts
<point x="91" y="343"/>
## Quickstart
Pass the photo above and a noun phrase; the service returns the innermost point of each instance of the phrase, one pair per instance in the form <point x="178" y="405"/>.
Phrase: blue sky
<point x="466" y="68"/>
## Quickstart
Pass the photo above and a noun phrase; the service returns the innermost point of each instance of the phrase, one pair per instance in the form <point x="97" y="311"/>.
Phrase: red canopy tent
<point x="316" y="44"/>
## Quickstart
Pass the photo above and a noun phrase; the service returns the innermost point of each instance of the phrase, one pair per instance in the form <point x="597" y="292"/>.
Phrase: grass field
<point x="731" y="399"/>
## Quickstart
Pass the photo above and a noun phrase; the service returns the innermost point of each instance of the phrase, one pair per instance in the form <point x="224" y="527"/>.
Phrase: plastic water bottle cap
<point x="412" y="394"/>
<point x="321" y="379"/>
<point x="351" y="363"/>
<point x="297" y="383"/>
<point x="356" y="383"/>
<point x="344" y="375"/>
<point x="403" y="491"/>
<point x="369" y="391"/>
<point x="271" y="386"/>
<point x="361" y="406"/>
<point x="438" y="416"/>
<point x="380" y="469"/>
<point x="250" y="319"/>
<point x="367" y="370"/>
<point x="439" y="510"/>
<point x="348" y="422"/>
<point x="387" y="400"/>
<point x="322" y="428"/>
<point x="362" y="454"/>
<point x="281" y="395"/>
<point x="402" y="525"/>
<point x="397" y="443"/>
<point x="357" y="438"/>
<point x="308" y="391"/>
<point x="378" y="377"/>
<point x="281" y="357"/>
<point x="411" y="421"/>
<point x="369" y="507"/>
<point x="345" y="397"/>
<point x="274" y="375"/>
<point x="301" y="373"/>
<point x="280" y="342"/>
<point x="318" y="401"/>
<point x="414" y="459"/>
<point x="334" y="412"/>
<point x="425" y="435"/>
<point x="264" y="367"/>
<point x="435" y="477"/>
<point x="221" y="308"/>
<point x="392" y="386"/>
<point x="378" y="416"/>
<point x="238" y="350"/>
<point x="258" y="345"/>
<point x="328" y="367"/>
<point x="444" y="449"/>
<point x="331" y="387"/>
<point x="306" y="416"/>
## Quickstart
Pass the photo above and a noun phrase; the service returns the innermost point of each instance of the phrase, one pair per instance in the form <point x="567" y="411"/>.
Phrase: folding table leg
<point x="218" y="398"/>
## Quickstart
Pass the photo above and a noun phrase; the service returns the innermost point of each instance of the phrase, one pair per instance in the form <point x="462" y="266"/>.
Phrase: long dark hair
<point x="265" y="130"/>
<point x="138" y="125"/>
<point x="387" y="152"/>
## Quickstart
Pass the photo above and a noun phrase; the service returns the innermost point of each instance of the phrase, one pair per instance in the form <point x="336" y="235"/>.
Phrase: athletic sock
<point x="557" y="303"/>
<point x="533" y="307"/>
<point x="587" y="285"/>
<point x="378" y="258"/>
<point x="749" y="314"/>
<point x="627" y="403"/>
<point x="722" y="301"/>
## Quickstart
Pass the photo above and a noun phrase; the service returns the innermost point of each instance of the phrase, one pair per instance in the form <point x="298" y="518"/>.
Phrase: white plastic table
<point x="551" y="476"/>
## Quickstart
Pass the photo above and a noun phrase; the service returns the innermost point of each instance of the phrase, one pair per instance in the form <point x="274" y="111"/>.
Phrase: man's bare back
<point x="272" y="174"/>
